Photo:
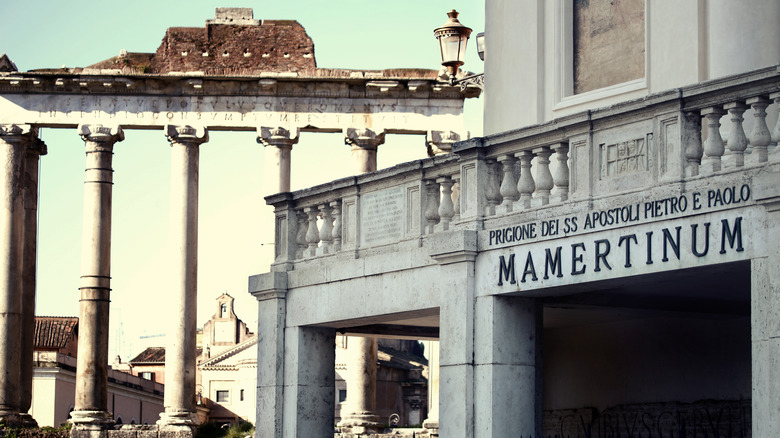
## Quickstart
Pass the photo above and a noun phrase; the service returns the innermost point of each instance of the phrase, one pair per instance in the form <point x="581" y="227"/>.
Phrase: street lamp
<point x="453" y="37"/>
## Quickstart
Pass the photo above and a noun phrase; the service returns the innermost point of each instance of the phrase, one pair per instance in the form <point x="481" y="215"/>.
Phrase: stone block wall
<point x="230" y="49"/>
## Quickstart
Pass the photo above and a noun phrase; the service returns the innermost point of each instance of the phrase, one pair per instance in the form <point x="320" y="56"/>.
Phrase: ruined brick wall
<point x="229" y="49"/>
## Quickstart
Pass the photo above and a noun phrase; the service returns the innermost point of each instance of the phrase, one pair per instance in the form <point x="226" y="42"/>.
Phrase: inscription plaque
<point x="381" y="216"/>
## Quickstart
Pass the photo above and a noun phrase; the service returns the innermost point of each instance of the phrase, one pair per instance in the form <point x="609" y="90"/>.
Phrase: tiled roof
<point x="53" y="332"/>
<point x="154" y="355"/>
<point x="150" y="355"/>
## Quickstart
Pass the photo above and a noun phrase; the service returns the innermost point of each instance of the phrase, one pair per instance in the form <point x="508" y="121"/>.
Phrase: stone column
<point x="360" y="409"/>
<point x="180" y="357"/>
<point x="29" y="258"/>
<point x="432" y="422"/>
<point x="13" y="141"/>
<point x="360" y="413"/>
<point x="278" y="142"/>
<point x="364" y="144"/>
<point x="91" y="407"/>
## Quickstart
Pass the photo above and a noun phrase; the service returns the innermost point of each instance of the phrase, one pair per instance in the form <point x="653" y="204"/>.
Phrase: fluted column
<point x="91" y="406"/>
<point x="35" y="149"/>
<point x="278" y="144"/>
<point x="180" y="355"/>
<point x="364" y="144"/>
<point x="360" y="414"/>
<point x="13" y="141"/>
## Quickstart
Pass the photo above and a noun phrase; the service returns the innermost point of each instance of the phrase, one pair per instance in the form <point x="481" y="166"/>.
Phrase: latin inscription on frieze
<point x="221" y="111"/>
<point x="381" y="216"/>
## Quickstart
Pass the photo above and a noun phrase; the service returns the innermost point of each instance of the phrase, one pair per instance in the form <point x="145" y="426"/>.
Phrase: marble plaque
<point x="381" y="217"/>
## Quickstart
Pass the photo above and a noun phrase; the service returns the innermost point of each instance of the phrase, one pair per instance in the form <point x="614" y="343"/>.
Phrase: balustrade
<point x="551" y="164"/>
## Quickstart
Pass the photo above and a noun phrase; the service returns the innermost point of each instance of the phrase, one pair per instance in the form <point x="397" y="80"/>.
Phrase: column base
<point x="11" y="418"/>
<point x="178" y="420"/>
<point x="359" y="423"/>
<point x="91" y="420"/>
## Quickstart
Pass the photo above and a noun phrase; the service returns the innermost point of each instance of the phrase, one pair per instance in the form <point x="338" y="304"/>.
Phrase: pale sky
<point x="234" y="223"/>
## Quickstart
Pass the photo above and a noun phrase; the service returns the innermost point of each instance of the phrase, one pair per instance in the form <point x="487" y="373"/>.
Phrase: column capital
<point x="363" y="138"/>
<point x="11" y="129"/>
<point x="440" y="142"/>
<point x="278" y="137"/>
<point x="186" y="134"/>
<point x="98" y="133"/>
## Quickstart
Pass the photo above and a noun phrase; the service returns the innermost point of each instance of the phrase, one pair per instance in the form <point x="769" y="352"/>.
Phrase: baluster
<point x="760" y="136"/>
<point x="561" y="176"/>
<point x="335" y="211"/>
<point x="326" y="230"/>
<point x="300" y="238"/>
<point x="737" y="141"/>
<point x="526" y="184"/>
<point x="544" y="179"/>
<point x="446" y="208"/>
<point x="692" y="143"/>
<point x="312" y="234"/>
<point x="713" y="146"/>
<point x="508" y="189"/>
<point x="432" y="204"/>
<point x="456" y="198"/>
<point x="776" y="131"/>
<point x="492" y="193"/>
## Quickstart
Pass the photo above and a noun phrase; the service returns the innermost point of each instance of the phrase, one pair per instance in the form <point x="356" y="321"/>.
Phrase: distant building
<point x="131" y="399"/>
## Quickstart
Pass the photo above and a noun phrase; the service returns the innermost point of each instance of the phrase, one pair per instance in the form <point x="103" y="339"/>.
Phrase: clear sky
<point x="234" y="224"/>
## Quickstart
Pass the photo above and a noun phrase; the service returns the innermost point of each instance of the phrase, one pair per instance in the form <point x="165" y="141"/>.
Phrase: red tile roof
<point x="53" y="332"/>
<point x="154" y="355"/>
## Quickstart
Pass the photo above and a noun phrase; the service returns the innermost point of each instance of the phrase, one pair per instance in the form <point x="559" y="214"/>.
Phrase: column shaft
<point x="432" y="422"/>
<point x="12" y="145"/>
<point x="180" y="357"/>
<point x="32" y="158"/>
<point x="360" y="413"/>
<point x="278" y="143"/>
<point x="91" y="406"/>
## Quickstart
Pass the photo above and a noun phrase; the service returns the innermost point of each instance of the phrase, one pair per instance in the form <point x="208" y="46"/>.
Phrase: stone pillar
<point x="91" y="406"/>
<point x="456" y="252"/>
<point x="364" y="144"/>
<point x="432" y="422"/>
<point x="13" y="141"/>
<point x="278" y="142"/>
<point x="29" y="258"/>
<point x="360" y="416"/>
<point x="501" y="356"/>
<point x="765" y="311"/>
<point x="180" y="357"/>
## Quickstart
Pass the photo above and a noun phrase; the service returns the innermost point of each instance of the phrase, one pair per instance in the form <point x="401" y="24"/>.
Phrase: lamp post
<point x="453" y="37"/>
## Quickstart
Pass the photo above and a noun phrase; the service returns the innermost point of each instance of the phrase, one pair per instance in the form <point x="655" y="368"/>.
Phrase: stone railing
<point x="667" y="137"/>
